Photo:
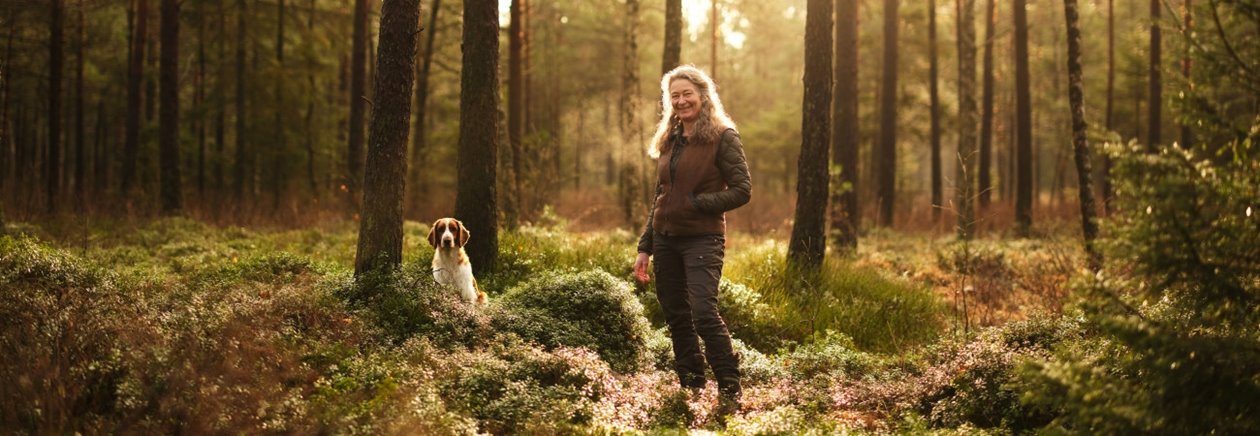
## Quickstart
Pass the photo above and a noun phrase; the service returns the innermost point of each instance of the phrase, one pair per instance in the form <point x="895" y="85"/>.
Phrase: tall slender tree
<point x="713" y="39"/>
<point x="845" y="130"/>
<point x="135" y="78"/>
<point x="172" y="197"/>
<point x="967" y="114"/>
<point x="1023" y="124"/>
<point x="358" y="83"/>
<point x="79" y="127"/>
<point x="419" y="131"/>
<point x="380" y="229"/>
<point x="628" y="183"/>
<point x="56" y="59"/>
<point x="7" y="154"/>
<point x="985" y="181"/>
<point x="1076" y="99"/>
<point x="1111" y="88"/>
<point x="478" y="132"/>
<point x="1156" y="102"/>
<point x="199" y="102"/>
<point x="516" y="110"/>
<point x="238" y="170"/>
<point x="808" y="243"/>
<point x="887" y="151"/>
<point x="934" y="107"/>
<point x="278" y="166"/>
<point x="673" y="36"/>
<point x="1187" y="11"/>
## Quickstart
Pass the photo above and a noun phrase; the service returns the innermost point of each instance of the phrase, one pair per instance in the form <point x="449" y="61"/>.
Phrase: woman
<point x="702" y="174"/>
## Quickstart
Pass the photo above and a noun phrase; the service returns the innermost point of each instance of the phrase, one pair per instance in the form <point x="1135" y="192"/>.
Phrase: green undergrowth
<point x="174" y="325"/>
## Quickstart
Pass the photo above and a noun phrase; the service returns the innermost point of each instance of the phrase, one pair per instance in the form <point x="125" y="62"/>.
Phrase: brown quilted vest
<point x="696" y="172"/>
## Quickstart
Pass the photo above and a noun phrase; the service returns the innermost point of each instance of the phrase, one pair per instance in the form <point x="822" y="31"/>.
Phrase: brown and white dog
<point x="450" y="262"/>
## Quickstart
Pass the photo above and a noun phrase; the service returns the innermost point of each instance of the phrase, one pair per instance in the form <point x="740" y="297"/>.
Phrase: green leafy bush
<point x="515" y="387"/>
<point x="1177" y="349"/>
<point x="408" y="302"/>
<point x="589" y="309"/>
<point x="62" y="324"/>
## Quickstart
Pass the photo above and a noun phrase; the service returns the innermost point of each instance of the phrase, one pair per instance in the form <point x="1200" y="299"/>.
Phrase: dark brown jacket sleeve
<point x="645" y="241"/>
<point x="734" y="167"/>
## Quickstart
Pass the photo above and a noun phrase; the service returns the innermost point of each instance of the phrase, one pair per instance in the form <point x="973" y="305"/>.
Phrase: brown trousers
<point x="688" y="269"/>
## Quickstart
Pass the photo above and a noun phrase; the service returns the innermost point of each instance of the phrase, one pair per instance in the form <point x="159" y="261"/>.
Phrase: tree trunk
<point x="313" y="185"/>
<point x="985" y="185"/>
<point x="56" y="59"/>
<point x="808" y="243"/>
<point x="1156" y="101"/>
<point x="380" y="229"/>
<point x="516" y="111"/>
<point x="887" y="153"/>
<point x="630" y="190"/>
<point x="135" y="78"/>
<point x="277" y="152"/>
<point x="1076" y="98"/>
<point x="478" y="126"/>
<point x="172" y="197"/>
<point x="358" y="82"/>
<point x="1187" y="135"/>
<point x="80" y="136"/>
<point x="673" y="36"/>
<point x="199" y="102"/>
<point x="1023" y="125"/>
<point x="8" y="156"/>
<point x="713" y="40"/>
<point x="967" y="114"/>
<point x="845" y="128"/>
<point x="1108" y="191"/>
<point x="935" y="109"/>
<point x="239" y="170"/>
<point x="220" y="113"/>
<point x="419" y="138"/>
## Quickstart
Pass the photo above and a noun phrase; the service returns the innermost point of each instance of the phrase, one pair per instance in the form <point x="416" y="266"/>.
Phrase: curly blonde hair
<point x="712" y="121"/>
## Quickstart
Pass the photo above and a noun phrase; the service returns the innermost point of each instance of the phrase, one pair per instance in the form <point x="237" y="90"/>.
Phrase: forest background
<point x="922" y="252"/>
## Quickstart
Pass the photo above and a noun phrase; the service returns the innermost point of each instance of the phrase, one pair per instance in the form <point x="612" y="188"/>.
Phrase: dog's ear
<point x="464" y="234"/>
<point x="433" y="233"/>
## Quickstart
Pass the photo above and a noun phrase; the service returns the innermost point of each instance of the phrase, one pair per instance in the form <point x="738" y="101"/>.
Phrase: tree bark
<point x="1111" y="87"/>
<point x="1023" y="125"/>
<point x="478" y="126"/>
<point x="419" y="138"/>
<point x="985" y="182"/>
<point x="135" y="78"/>
<point x="380" y="229"/>
<point x="935" y="109"/>
<point x="887" y="153"/>
<point x="277" y="152"/>
<point x="1076" y="98"/>
<point x="220" y="113"/>
<point x="713" y="40"/>
<point x="967" y="114"/>
<point x="808" y="243"/>
<point x="516" y="111"/>
<point x="358" y="83"/>
<point x="1156" y="101"/>
<point x="199" y="102"/>
<point x="630" y="191"/>
<point x="171" y="191"/>
<point x="56" y="59"/>
<point x="239" y="170"/>
<point x="312" y="184"/>
<point x="673" y="36"/>
<point x="80" y="135"/>
<point x="845" y="129"/>
<point x="8" y="155"/>
<point x="1187" y="135"/>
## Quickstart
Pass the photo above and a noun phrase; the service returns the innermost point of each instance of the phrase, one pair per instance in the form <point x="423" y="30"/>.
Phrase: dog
<point x="450" y="263"/>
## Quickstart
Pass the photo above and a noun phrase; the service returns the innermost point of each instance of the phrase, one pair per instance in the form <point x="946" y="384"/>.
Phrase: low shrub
<point x="408" y="302"/>
<point x="515" y="387"/>
<point x="589" y="309"/>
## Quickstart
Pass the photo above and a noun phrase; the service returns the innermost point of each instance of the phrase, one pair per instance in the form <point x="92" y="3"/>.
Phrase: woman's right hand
<point x="640" y="268"/>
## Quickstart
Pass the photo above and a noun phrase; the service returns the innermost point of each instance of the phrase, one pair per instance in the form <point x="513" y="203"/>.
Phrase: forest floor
<point x="878" y="342"/>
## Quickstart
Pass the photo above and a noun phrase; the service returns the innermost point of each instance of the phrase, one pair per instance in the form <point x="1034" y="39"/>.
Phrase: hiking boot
<point x="728" y="404"/>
